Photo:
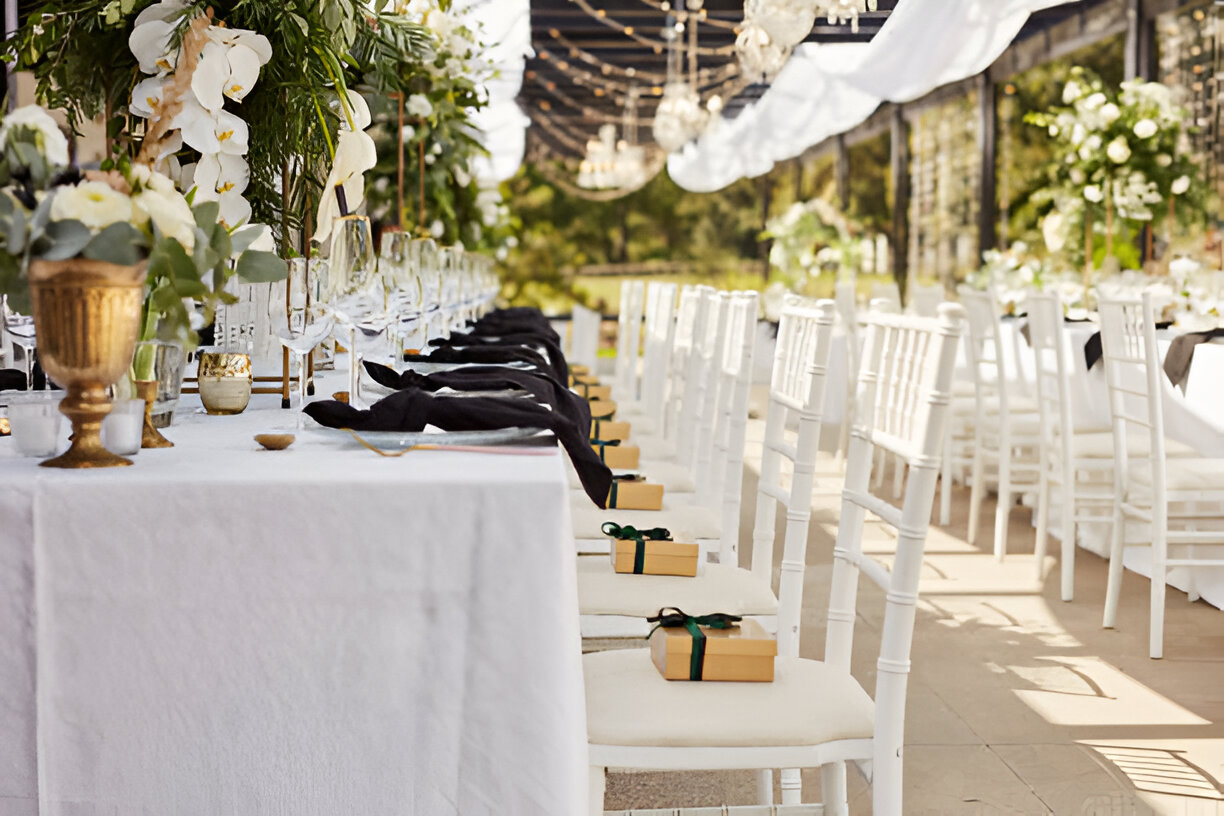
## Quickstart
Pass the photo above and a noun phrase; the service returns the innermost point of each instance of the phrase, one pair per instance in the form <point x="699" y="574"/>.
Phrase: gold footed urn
<point x="87" y="315"/>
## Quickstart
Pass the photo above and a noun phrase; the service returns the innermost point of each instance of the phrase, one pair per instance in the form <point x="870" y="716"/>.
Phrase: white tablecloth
<point x="221" y="630"/>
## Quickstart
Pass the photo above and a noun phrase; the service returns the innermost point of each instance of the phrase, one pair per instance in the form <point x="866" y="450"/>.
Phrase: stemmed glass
<point x="449" y="297"/>
<point x="309" y="321"/>
<point x="21" y="328"/>
<point x="353" y="267"/>
<point x="392" y="261"/>
<point x="405" y="300"/>
<point x="423" y="256"/>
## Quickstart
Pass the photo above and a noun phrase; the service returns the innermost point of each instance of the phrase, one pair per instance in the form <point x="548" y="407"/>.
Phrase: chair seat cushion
<point x="653" y="446"/>
<point x="1180" y="474"/>
<point x="720" y="588"/>
<point x="674" y="477"/>
<point x="1099" y="445"/>
<point x="808" y="703"/>
<point x="963" y="404"/>
<point x="684" y="520"/>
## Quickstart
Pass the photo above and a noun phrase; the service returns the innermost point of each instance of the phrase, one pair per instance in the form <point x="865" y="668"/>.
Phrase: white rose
<point x="1095" y="101"/>
<point x="1093" y="193"/>
<point x="169" y="212"/>
<point x="1071" y="92"/>
<point x="1077" y="176"/>
<point x="50" y="139"/>
<point x="1094" y="142"/>
<point x="436" y="229"/>
<point x="1146" y="128"/>
<point x="419" y="105"/>
<point x="1078" y="134"/>
<point x="1119" y="151"/>
<point x="1181" y="185"/>
<point x="93" y="203"/>
<point x="1110" y="113"/>
<point x="1164" y="160"/>
<point x="1052" y="231"/>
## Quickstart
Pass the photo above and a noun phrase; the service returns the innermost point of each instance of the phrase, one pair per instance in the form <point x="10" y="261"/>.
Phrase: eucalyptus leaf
<point x="261" y="267"/>
<point x="67" y="239"/>
<point x="243" y="237"/>
<point x="15" y="235"/>
<point x="42" y="214"/>
<point x="207" y="216"/>
<point x="120" y="243"/>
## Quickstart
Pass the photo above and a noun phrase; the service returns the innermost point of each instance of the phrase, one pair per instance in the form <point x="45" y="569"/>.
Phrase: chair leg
<point x="1113" y="586"/>
<point x="833" y="789"/>
<point x="975" y="493"/>
<point x="1159" y="585"/>
<point x="792" y="786"/>
<point x="898" y="476"/>
<point x="597" y="785"/>
<point x="765" y="792"/>
<point x="945" y="489"/>
<point x="1002" y="510"/>
<point x="1068" y="543"/>
<point x="1043" y="523"/>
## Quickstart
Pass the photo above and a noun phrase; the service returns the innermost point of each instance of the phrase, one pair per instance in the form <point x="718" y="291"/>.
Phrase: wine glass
<point x="406" y="302"/>
<point x="449" y="285"/>
<point x="21" y="328"/>
<point x="423" y="256"/>
<point x="308" y="319"/>
<point x="393" y="260"/>
<point x="353" y="267"/>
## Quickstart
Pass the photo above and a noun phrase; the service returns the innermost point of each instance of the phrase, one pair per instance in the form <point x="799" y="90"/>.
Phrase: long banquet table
<point x="225" y="630"/>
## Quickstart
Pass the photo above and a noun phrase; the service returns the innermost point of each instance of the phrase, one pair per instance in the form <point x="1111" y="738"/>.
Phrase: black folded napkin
<point x="542" y="328"/>
<point x="413" y="409"/>
<point x="483" y="355"/>
<point x="556" y="358"/>
<point x="1181" y="354"/>
<point x="545" y="389"/>
<point x="12" y="380"/>
<point x="519" y="317"/>
<point x="1093" y="351"/>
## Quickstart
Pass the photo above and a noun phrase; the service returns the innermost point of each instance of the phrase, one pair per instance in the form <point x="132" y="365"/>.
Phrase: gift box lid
<point x="746" y="639"/>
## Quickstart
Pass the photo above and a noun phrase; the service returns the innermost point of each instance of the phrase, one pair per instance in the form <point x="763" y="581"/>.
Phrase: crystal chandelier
<point x="760" y="58"/>
<point x="787" y="22"/>
<point x="841" y="11"/>
<point x="612" y="164"/>
<point x="680" y="116"/>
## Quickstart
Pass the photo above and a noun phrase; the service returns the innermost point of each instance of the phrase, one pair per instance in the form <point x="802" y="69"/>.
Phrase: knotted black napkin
<point x="411" y="410"/>
<point x="12" y="380"/>
<point x="1181" y="354"/>
<point x="514" y="319"/>
<point x="484" y="355"/>
<point x="542" y="387"/>
<point x="1093" y="351"/>
<point x="556" y="358"/>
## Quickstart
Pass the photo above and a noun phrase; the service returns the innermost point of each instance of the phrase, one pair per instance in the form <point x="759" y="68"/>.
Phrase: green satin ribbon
<point x="616" y="480"/>
<point x="677" y="618"/>
<point x="603" y="444"/>
<point x="639" y="537"/>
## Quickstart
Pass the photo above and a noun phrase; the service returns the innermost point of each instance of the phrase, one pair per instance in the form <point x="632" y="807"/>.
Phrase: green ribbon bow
<point x="639" y="537"/>
<point x="676" y="618"/>
<point x="602" y="444"/>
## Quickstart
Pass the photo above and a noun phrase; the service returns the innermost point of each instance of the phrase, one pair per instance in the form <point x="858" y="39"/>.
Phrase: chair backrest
<point x="924" y="300"/>
<point x="1052" y="368"/>
<point x="984" y="351"/>
<point x="657" y="354"/>
<point x="709" y="351"/>
<point x="584" y="337"/>
<point x="629" y="339"/>
<point x="686" y="386"/>
<point x="796" y="393"/>
<point x="889" y="291"/>
<point x="735" y="368"/>
<point x="902" y="409"/>
<point x="1135" y="379"/>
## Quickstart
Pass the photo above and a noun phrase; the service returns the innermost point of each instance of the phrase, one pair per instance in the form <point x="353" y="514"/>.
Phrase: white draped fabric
<point x="224" y="630"/>
<point x="828" y="89"/>
<point x="506" y="28"/>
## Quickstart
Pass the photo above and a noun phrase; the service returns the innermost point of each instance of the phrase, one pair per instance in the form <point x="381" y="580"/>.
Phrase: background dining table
<point x="221" y="629"/>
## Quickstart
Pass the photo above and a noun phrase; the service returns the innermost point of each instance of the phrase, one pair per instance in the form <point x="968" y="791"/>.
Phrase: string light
<point x="705" y="75"/>
<point x="627" y="30"/>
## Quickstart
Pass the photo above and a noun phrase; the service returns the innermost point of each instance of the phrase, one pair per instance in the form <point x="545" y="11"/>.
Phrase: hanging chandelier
<point x="842" y="11"/>
<point x="786" y="22"/>
<point x="611" y="164"/>
<point x="760" y="58"/>
<point x="680" y="116"/>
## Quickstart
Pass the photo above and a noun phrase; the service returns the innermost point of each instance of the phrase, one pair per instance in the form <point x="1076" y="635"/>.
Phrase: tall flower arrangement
<point x="807" y="234"/>
<point x="1119" y="159"/>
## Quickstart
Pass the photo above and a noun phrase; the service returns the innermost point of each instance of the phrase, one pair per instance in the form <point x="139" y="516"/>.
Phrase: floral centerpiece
<point x="810" y="234"/>
<point x="1118" y="164"/>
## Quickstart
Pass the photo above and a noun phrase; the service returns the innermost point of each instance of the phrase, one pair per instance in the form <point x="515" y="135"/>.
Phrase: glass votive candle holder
<point x="121" y="429"/>
<point x="35" y="419"/>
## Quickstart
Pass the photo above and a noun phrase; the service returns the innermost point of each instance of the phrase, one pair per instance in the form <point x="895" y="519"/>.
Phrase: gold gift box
<point x="659" y="558"/>
<point x="609" y="431"/>
<point x="633" y="495"/>
<point x="583" y="379"/>
<point x="603" y="409"/>
<point x="593" y="392"/>
<point x="578" y="368"/>
<point x="742" y="654"/>
<point x="619" y="457"/>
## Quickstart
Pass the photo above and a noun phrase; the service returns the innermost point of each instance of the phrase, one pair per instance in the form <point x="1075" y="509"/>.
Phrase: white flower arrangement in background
<point x="355" y="155"/>
<point x="226" y="68"/>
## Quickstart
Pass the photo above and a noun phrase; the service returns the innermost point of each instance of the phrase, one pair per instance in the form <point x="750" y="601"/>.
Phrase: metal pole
<point x="900" y="155"/>
<point x="10" y="72"/>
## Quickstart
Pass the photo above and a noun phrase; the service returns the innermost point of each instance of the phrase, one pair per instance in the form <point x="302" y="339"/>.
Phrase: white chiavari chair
<point x="889" y="292"/>
<point x="628" y="341"/>
<point x="815" y="713"/>
<point x="1175" y="505"/>
<point x="660" y="331"/>
<point x="845" y="297"/>
<point x="615" y="605"/>
<point x="924" y="299"/>
<point x="1007" y="432"/>
<point x="584" y="337"/>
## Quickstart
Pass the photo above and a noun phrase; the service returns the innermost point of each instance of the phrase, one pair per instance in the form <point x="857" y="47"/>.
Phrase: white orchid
<point x="150" y="44"/>
<point x="355" y="154"/>
<point x="355" y="115"/>
<point x="220" y="173"/>
<point x="164" y="12"/>
<point x="169" y="212"/>
<point x="50" y="138"/>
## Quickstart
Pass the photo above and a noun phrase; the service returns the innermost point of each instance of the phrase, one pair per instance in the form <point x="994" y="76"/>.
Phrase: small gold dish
<point x="341" y="396"/>
<point x="275" y="441"/>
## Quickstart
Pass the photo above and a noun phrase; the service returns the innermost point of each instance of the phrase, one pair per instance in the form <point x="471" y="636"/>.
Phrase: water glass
<point x="121" y="429"/>
<point x="35" y="419"/>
